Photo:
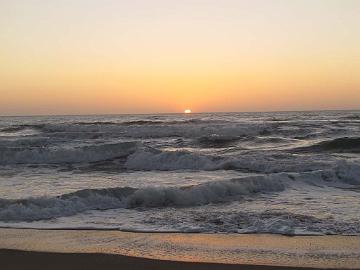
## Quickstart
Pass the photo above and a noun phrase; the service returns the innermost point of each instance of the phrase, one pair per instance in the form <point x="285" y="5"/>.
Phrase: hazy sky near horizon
<point x="141" y="56"/>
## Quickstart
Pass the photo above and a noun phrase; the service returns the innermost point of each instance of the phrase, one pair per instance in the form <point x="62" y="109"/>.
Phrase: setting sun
<point x="187" y="111"/>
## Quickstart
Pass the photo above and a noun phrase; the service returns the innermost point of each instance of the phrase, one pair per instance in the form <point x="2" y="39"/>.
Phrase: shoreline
<point x="167" y="231"/>
<point x="170" y="250"/>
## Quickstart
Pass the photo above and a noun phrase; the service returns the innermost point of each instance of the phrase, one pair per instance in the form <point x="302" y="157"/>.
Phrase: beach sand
<point x="94" y="249"/>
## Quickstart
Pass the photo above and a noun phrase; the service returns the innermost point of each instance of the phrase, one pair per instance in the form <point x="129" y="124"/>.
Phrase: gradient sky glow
<point x="142" y="56"/>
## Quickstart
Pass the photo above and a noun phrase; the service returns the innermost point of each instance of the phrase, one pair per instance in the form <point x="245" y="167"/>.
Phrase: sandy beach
<point x="94" y="249"/>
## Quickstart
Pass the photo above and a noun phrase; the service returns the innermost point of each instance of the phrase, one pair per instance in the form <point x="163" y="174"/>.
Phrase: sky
<point x="158" y="56"/>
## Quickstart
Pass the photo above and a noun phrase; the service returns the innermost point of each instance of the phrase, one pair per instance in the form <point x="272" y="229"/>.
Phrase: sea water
<point x="278" y="172"/>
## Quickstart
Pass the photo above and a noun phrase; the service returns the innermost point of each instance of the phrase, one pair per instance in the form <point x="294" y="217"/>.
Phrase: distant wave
<point x="136" y="156"/>
<point x="40" y="150"/>
<point x="16" y="128"/>
<point x="141" y="129"/>
<point x="352" y="117"/>
<point x="150" y="122"/>
<point x="31" y="209"/>
<point x="51" y="155"/>
<point x="345" y="144"/>
<point x="181" y="160"/>
<point x="215" y="140"/>
<point x="152" y="159"/>
<point x="178" y="122"/>
<point x="105" y="123"/>
<point x="26" y="142"/>
<point x="169" y="160"/>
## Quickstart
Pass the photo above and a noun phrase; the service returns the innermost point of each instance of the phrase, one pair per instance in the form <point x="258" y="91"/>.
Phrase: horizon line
<point x="170" y="113"/>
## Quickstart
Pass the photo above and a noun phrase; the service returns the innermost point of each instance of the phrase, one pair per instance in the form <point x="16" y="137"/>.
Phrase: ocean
<point x="290" y="173"/>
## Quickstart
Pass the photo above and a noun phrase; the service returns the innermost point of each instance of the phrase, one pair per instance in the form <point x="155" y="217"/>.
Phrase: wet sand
<point x="15" y="259"/>
<point x="90" y="249"/>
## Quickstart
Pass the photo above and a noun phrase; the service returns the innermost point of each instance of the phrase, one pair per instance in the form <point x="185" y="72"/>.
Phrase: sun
<point x="187" y="111"/>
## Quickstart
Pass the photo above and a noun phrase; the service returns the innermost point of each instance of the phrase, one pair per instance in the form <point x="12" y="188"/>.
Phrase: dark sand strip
<point x="18" y="260"/>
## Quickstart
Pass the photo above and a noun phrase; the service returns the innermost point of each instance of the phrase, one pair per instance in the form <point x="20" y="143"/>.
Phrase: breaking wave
<point x="31" y="209"/>
<point x="346" y="175"/>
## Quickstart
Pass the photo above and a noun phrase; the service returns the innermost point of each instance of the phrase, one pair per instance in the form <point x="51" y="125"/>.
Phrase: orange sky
<point x="133" y="56"/>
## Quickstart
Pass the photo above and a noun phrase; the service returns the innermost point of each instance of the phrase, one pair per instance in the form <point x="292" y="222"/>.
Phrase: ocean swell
<point x="215" y="140"/>
<point x="152" y="159"/>
<point x="16" y="128"/>
<point x="344" y="144"/>
<point x="169" y="160"/>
